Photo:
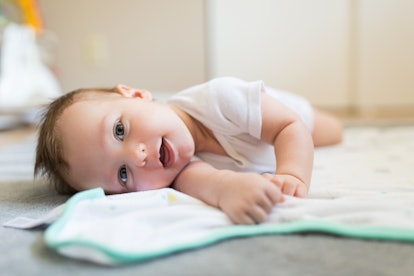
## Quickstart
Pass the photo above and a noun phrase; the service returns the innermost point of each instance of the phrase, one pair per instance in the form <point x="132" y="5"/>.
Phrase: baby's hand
<point x="288" y="184"/>
<point x="248" y="198"/>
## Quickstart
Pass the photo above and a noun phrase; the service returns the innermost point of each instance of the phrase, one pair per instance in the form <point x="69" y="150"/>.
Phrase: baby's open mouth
<point x="164" y="153"/>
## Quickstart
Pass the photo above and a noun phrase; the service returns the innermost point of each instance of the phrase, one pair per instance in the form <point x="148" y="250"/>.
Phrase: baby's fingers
<point x="257" y="214"/>
<point x="289" y="188"/>
<point x="277" y="180"/>
<point x="254" y="215"/>
<point x="289" y="185"/>
<point x="275" y="195"/>
<point x="301" y="191"/>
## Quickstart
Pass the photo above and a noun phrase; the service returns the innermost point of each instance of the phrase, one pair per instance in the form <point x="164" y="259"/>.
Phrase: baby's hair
<point x="49" y="158"/>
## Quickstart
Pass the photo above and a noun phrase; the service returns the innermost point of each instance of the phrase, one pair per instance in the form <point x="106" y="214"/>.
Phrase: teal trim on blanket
<point x="57" y="226"/>
<point x="117" y="257"/>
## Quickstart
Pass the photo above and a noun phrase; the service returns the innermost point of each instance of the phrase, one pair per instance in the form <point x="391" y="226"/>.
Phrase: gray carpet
<point x="24" y="253"/>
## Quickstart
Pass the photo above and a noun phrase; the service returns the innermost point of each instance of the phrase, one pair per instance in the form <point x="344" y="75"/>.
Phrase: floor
<point x="10" y="136"/>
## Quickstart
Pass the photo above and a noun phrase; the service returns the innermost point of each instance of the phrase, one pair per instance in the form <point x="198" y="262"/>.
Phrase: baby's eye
<point x="122" y="175"/>
<point x="119" y="131"/>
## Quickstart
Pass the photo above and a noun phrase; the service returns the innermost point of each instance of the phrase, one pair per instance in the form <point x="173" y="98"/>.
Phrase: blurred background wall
<point x="345" y="55"/>
<point x="153" y="44"/>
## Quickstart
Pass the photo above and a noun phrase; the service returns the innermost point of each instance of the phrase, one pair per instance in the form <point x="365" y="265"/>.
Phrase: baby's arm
<point x="293" y="147"/>
<point x="247" y="198"/>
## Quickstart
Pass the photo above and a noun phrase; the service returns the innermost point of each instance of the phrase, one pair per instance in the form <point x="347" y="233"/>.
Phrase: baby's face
<point x="123" y="144"/>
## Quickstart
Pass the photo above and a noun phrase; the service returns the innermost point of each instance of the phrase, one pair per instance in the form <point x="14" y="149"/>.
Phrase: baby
<point x="217" y="141"/>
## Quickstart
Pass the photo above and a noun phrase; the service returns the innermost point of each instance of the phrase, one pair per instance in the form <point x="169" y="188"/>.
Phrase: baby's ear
<point x="130" y="92"/>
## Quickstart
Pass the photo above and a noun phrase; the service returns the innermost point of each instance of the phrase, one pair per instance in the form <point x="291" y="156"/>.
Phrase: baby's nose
<point x="140" y="154"/>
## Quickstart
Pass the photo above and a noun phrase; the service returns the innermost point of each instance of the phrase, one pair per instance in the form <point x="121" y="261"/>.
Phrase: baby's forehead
<point x="84" y="104"/>
<point x="96" y="95"/>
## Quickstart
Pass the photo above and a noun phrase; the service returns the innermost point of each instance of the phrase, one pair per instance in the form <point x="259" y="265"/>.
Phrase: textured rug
<point x="16" y="161"/>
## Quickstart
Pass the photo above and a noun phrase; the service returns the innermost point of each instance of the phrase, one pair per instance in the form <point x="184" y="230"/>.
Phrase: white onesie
<point x="231" y="109"/>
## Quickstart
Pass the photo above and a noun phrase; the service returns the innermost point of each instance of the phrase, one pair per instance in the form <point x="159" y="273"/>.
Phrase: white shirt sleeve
<point x="227" y="105"/>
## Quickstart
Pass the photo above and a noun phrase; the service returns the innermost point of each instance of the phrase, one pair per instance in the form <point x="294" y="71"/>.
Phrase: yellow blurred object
<point x="31" y="14"/>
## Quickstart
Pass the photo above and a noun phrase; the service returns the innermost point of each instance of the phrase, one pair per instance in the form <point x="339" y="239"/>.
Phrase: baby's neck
<point x="204" y="139"/>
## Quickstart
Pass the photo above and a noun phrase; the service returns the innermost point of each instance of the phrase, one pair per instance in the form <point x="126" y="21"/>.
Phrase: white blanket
<point x="361" y="189"/>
